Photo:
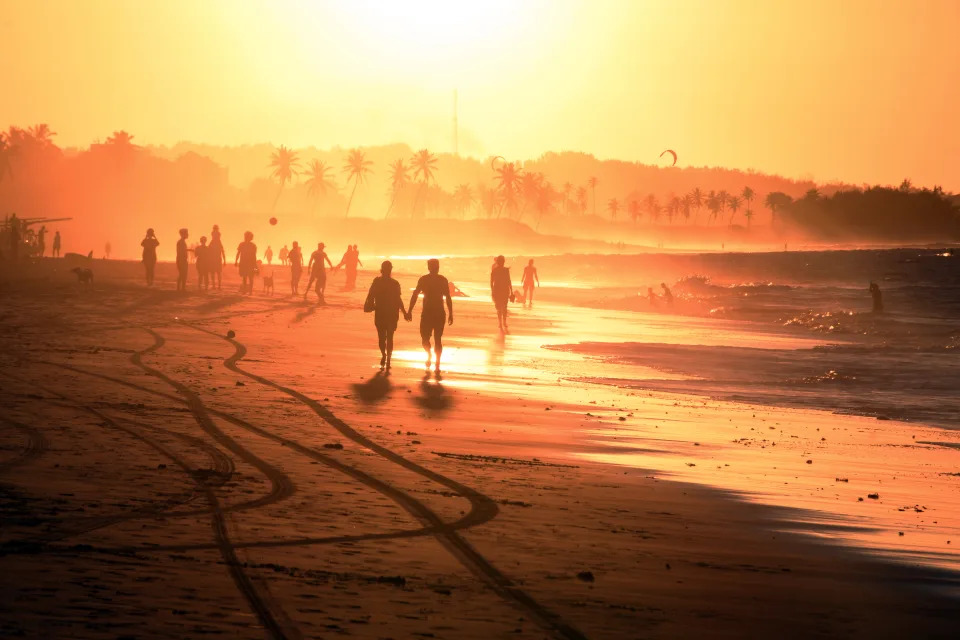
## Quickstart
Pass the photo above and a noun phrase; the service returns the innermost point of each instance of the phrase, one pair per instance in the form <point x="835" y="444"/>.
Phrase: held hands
<point x="407" y="316"/>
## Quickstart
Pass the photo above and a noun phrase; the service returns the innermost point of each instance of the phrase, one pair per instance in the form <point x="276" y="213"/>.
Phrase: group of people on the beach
<point x="16" y="234"/>
<point x="210" y="258"/>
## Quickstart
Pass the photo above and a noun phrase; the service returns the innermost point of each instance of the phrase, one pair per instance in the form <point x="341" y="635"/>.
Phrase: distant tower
<point x="456" y="141"/>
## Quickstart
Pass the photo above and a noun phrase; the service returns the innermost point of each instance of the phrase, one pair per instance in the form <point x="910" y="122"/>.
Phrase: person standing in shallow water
<point x="350" y="260"/>
<point x="268" y="254"/>
<point x="435" y="289"/>
<point x="149" y="244"/>
<point x="182" y="260"/>
<point x="295" y="257"/>
<point x="217" y="255"/>
<point x="529" y="277"/>
<point x="386" y="301"/>
<point x="318" y="273"/>
<point x="501" y="289"/>
<point x="284" y="254"/>
<point x="56" y="244"/>
<point x="877" y="298"/>
<point x="667" y="295"/>
<point x="246" y="261"/>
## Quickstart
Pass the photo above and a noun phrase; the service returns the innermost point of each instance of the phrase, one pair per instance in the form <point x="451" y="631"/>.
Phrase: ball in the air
<point x="273" y="221"/>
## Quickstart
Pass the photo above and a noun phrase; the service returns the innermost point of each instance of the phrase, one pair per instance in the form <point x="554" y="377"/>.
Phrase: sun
<point x="401" y="38"/>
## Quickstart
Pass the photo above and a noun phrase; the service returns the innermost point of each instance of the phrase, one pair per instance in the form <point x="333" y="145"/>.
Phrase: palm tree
<point x="713" y="205"/>
<point x="357" y="168"/>
<point x="686" y="204"/>
<point x="582" y="200"/>
<point x="398" y="182"/>
<point x="653" y="206"/>
<point x="673" y="208"/>
<point x="747" y="195"/>
<point x="567" y="191"/>
<point x="489" y="199"/>
<point x="633" y="208"/>
<point x="722" y="199"/>
<point x="546" y="196"/>
<point x="423" y="164"/>
<point x="284" y="162"/>
<point x="592" y="182"/>
<point x="530" y="184"/>
<point x="318" y="182"/>
<point x="464" y="198"/>
<point x="749" y="216"/>
<point x="7" y="151"/>
<point x="613" y="207"/>
<point x="120" y="139"/>
<point x="42" y="134"/>
<point x="734" y="203"/>
<point x="696" y="201"/>
<point x="775" y="201"/>
<point x="508" y="186"/>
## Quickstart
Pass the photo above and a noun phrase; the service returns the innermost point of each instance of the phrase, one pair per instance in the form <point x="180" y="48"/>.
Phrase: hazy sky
<point x="862" y="91"/>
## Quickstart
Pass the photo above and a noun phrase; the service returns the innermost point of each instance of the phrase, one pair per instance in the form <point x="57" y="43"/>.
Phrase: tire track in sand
<point x="35" y="446"/>
<point x="484" y="506"/>
<point x="470" y="519"/>
<point x="262" y="607"/>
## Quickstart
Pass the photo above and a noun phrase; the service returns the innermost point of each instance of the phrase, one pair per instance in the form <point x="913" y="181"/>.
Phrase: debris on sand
<point x="586" y="576"/>
<point x="333" y="445"/>
<point x="231" y="335"/>
<point x="841" y="479"/>
<point x="873" y="496"/>
<point x="469" y="457"/>
<point x="240" y="383"/>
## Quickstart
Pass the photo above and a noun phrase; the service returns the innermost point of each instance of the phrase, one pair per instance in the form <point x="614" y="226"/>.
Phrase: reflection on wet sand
<point x="822" y="468"/>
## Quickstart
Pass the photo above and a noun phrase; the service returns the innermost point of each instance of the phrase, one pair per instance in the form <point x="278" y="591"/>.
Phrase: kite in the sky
<point x="673" y="153"/>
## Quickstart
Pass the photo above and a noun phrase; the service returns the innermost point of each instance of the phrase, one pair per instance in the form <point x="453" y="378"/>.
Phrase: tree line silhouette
<point x="119" y="177"/>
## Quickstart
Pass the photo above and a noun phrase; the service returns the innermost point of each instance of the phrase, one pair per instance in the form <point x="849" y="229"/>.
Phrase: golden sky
<point x="856" y="90"/>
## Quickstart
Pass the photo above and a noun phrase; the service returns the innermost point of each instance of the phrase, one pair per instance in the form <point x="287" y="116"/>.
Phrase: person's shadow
<point x="433" y="397"/>
<point x="375" y="389"/>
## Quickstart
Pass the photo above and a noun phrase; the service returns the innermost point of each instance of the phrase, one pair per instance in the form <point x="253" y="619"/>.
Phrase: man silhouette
<point x="434" y="288"/>
<point x="387" y="303"/>
<point x="318" y="272"/>
<point x="42" y="240"/>
<point x="182" y="260"/>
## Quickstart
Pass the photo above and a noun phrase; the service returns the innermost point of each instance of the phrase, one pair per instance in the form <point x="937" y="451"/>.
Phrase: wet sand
<point x="158" y="479"/>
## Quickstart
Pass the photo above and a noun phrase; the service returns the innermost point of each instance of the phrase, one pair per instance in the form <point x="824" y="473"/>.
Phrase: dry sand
<point x="158" y="479"/>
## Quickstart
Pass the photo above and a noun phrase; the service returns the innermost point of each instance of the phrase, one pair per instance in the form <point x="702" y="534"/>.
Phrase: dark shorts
<point x="432" y="325"/>
<point x="246" y="270"/>
<point x="385" y="326"/>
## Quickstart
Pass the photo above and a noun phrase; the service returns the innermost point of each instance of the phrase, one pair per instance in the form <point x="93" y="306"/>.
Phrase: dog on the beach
<point x="268" y="284"/>
<point x="84" y="276"/>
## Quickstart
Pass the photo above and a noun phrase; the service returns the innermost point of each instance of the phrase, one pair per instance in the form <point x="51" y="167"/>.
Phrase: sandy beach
<point x="159" y="479"/>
